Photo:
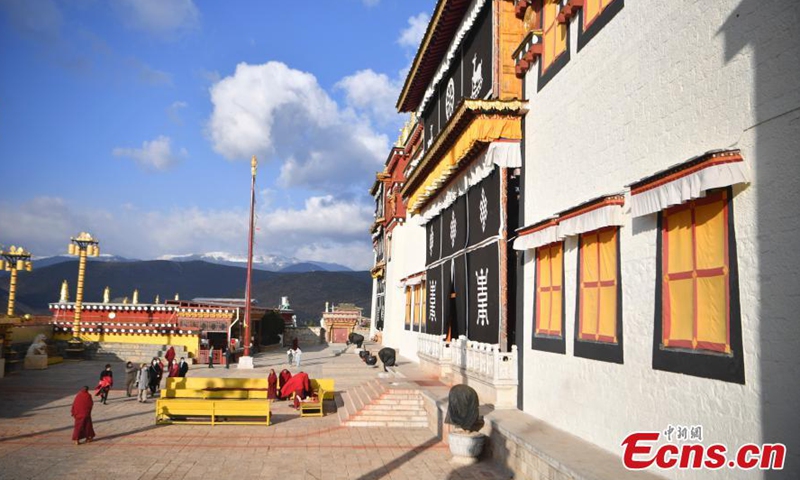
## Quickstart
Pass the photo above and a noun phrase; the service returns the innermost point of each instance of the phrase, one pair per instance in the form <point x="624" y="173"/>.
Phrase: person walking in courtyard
<point x="211" y="356"/>
<point x="82" y="413"/>
<point x="173" y="369"/>
<point x="105" y="383"/>
<point x="227" y="354"/>
<point x="154" y="375"/>
<point x="272" y="385"/>
<point x="296" y="354"/>
<point x="170" y="355"/>
<point x="183" y="368"/>
<point x="131" y="372"/>
<point x="143" y="382"/>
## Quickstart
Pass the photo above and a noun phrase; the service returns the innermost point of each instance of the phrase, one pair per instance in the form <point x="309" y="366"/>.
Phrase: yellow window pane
<point x="605" y="3"/>
<point x="679" y="241"/>
<point x="561" y="39"/>
<point x="589" y="258"/>
<point x="591" y="8"/>
<point x="608" y="312"/>
<point x="711" y="310"/>
<point x="557" y="265"/>
<point x="589" y="311"/>
<point x="543" y="267"/>
<point x="681" y="309"/>
<point x="608" y="255"/>
<point x="710" y="233"/>
<point x="543" y="316"/>
<point x="555" y="316"/>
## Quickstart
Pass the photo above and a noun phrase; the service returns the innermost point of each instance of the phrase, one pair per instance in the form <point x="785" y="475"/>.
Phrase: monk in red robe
<point x="285" y="375"/>
<point x="300" y="385"/>
<point x="82" y="413"/>
<point x="170" y="355"/>
<point x="174" y="370"/>
<point x="272" y="385"/>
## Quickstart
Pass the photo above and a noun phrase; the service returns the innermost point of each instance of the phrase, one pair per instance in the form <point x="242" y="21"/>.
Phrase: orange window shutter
<point x="712" y="273"/>
<point x="557" y="288"/>
<point x="608" y="286"/>
<point x="549" y="14"/>
<point x="589" y="280"/>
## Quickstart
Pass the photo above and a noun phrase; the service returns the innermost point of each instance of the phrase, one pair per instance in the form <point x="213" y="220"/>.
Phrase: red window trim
<point x="596" y="337"/>
<point x="694" y="344"/>
<point x="549" y="289"/>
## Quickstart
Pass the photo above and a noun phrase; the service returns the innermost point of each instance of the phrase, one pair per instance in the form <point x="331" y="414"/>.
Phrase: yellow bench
<point x="215" y="394"/>
<point x="314" y="409"/>
<point x="195" y="411"/>
<point x="200" y="383"/>
<point x="326" y="384"/>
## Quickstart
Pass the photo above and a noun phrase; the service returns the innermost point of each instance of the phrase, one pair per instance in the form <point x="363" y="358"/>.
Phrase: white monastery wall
<point x="661" y="83"/>
<point x="408" y="258"/>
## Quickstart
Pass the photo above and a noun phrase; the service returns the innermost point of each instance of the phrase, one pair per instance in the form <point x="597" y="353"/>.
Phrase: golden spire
<point x="106" y="295"/>
<point x="135" y="296"/>
<point x="64" y="293"/>
<point x="157" y="300"/>
<point x="253" y="165"/>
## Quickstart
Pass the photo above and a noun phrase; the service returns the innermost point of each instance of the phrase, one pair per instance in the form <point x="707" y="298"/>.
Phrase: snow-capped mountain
<point x="40" y="262"/>
<point x="273" y="263"/>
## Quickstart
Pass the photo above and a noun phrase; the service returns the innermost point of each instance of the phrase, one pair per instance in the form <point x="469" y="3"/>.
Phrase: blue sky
<point x="135" y="120"/>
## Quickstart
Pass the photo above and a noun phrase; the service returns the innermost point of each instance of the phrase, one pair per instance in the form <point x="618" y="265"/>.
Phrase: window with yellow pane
<point x="595" y="14"/>
<point x="555" y="42"/>
<point x="409" y="311"/>
<point x="698" y="323"/>
<point x="548" y="332"/>
<point x="598" y="323"/>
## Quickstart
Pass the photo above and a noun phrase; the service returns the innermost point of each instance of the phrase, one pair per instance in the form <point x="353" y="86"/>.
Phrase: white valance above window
<point x="688" y="181"/>
<point x="607" y="216"/>
<point x="535" y="239"/>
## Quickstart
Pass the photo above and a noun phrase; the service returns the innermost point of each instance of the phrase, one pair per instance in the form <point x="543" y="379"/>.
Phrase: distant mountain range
<point x="307" y="291"/>
<point x="270" y="263"/>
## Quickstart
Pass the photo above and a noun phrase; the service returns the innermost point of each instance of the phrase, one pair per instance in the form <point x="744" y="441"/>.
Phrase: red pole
<point x="247" y="326"/>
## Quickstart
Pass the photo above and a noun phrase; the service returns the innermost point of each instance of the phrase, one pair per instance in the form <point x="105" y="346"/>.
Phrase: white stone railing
<point x="485" y="361"/>
<point x="432" y="346"/>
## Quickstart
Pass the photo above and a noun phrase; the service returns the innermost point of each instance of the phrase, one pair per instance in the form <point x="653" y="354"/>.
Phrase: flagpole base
<point x="246" y="362"/>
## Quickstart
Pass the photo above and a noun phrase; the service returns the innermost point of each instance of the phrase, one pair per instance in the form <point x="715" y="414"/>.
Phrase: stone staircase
<point x="375" y="404"/>
<point x="135" y="352"/>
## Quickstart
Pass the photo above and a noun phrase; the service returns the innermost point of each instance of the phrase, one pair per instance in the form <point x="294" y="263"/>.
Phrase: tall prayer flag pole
<point x="247" y="325"/>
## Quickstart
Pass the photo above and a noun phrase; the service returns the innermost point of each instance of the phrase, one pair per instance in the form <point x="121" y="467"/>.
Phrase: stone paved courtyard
<point x="35" y="433"/>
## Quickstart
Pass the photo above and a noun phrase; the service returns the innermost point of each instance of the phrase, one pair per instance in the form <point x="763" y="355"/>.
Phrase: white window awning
<point x="688" y="181"/>
<point x="537" y="235"/>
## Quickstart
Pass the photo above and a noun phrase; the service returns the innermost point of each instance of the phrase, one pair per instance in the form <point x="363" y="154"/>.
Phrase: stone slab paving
<point x="35" y="433"/>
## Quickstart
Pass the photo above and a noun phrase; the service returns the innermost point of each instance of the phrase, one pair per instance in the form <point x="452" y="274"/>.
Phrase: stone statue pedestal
<point x="35" y="362"/>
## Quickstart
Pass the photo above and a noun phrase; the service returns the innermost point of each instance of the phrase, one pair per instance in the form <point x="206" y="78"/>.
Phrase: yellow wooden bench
<point x="198" y="411"/>
<point x="200" y="383"/>
<point x="314" y="409"/>
<point x="215" y="394"/>
<point x="325" y="384"/>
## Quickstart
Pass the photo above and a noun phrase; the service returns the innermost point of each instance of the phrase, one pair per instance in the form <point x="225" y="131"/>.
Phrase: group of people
<point x="298" y="384"/>
<point x="293" y="354"/>
<point x="144" y="378"/>
<point x="227" y="354"/>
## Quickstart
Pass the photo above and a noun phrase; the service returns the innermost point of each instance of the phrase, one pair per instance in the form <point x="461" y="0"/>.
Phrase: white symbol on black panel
<point x="477" y="76"/>
<point x="484" y="209"/>
<point x="482" y="300"/>
<point x="432" y="301"/>
<point x="430" y="242"/>
<point x="450" y="98"/>
<point x="453" y="230"/>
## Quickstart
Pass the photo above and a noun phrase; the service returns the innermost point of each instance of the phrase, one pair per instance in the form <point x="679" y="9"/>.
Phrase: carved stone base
<point x="35" y="362"/>
<point x="466" y="447"/>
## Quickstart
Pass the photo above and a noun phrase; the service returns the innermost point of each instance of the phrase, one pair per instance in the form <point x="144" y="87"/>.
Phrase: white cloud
<point x="147" y="74"/>
<point x="373" y="93"/>
<point x="174" y="111"/>
<point x="275" y="111"/>
<point x="323" y="229"/>
<point x="155" y="154"/>
<point x="412" y="35"/>
<point x="162" y="18"/>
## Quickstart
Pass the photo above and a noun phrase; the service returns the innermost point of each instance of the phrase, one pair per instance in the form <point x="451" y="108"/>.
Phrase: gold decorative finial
<point x="136" y="297"/>
<point x="125" y="301"/>
<point x="253" y="165"/>
<point x="157" y="300"/>
<point x="64" y="298"/>
<point x="107" y="295"/>
<point x="177" y="297"/>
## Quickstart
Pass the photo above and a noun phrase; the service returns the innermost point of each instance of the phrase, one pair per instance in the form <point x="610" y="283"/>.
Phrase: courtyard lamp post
<point x="84" y="245"/>
<point x="13" y="260"/>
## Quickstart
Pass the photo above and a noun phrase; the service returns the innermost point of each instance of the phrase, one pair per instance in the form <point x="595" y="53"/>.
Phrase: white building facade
<point x="660" y="203"/>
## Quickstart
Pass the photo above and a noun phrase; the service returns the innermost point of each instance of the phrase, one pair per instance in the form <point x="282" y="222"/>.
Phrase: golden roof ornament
<point x="125" y="301"/>
<point x="157" y="300"/>
<point x="136" y="297"/>
<point x="106" y="295"/>
<point x="64" y="298"/>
